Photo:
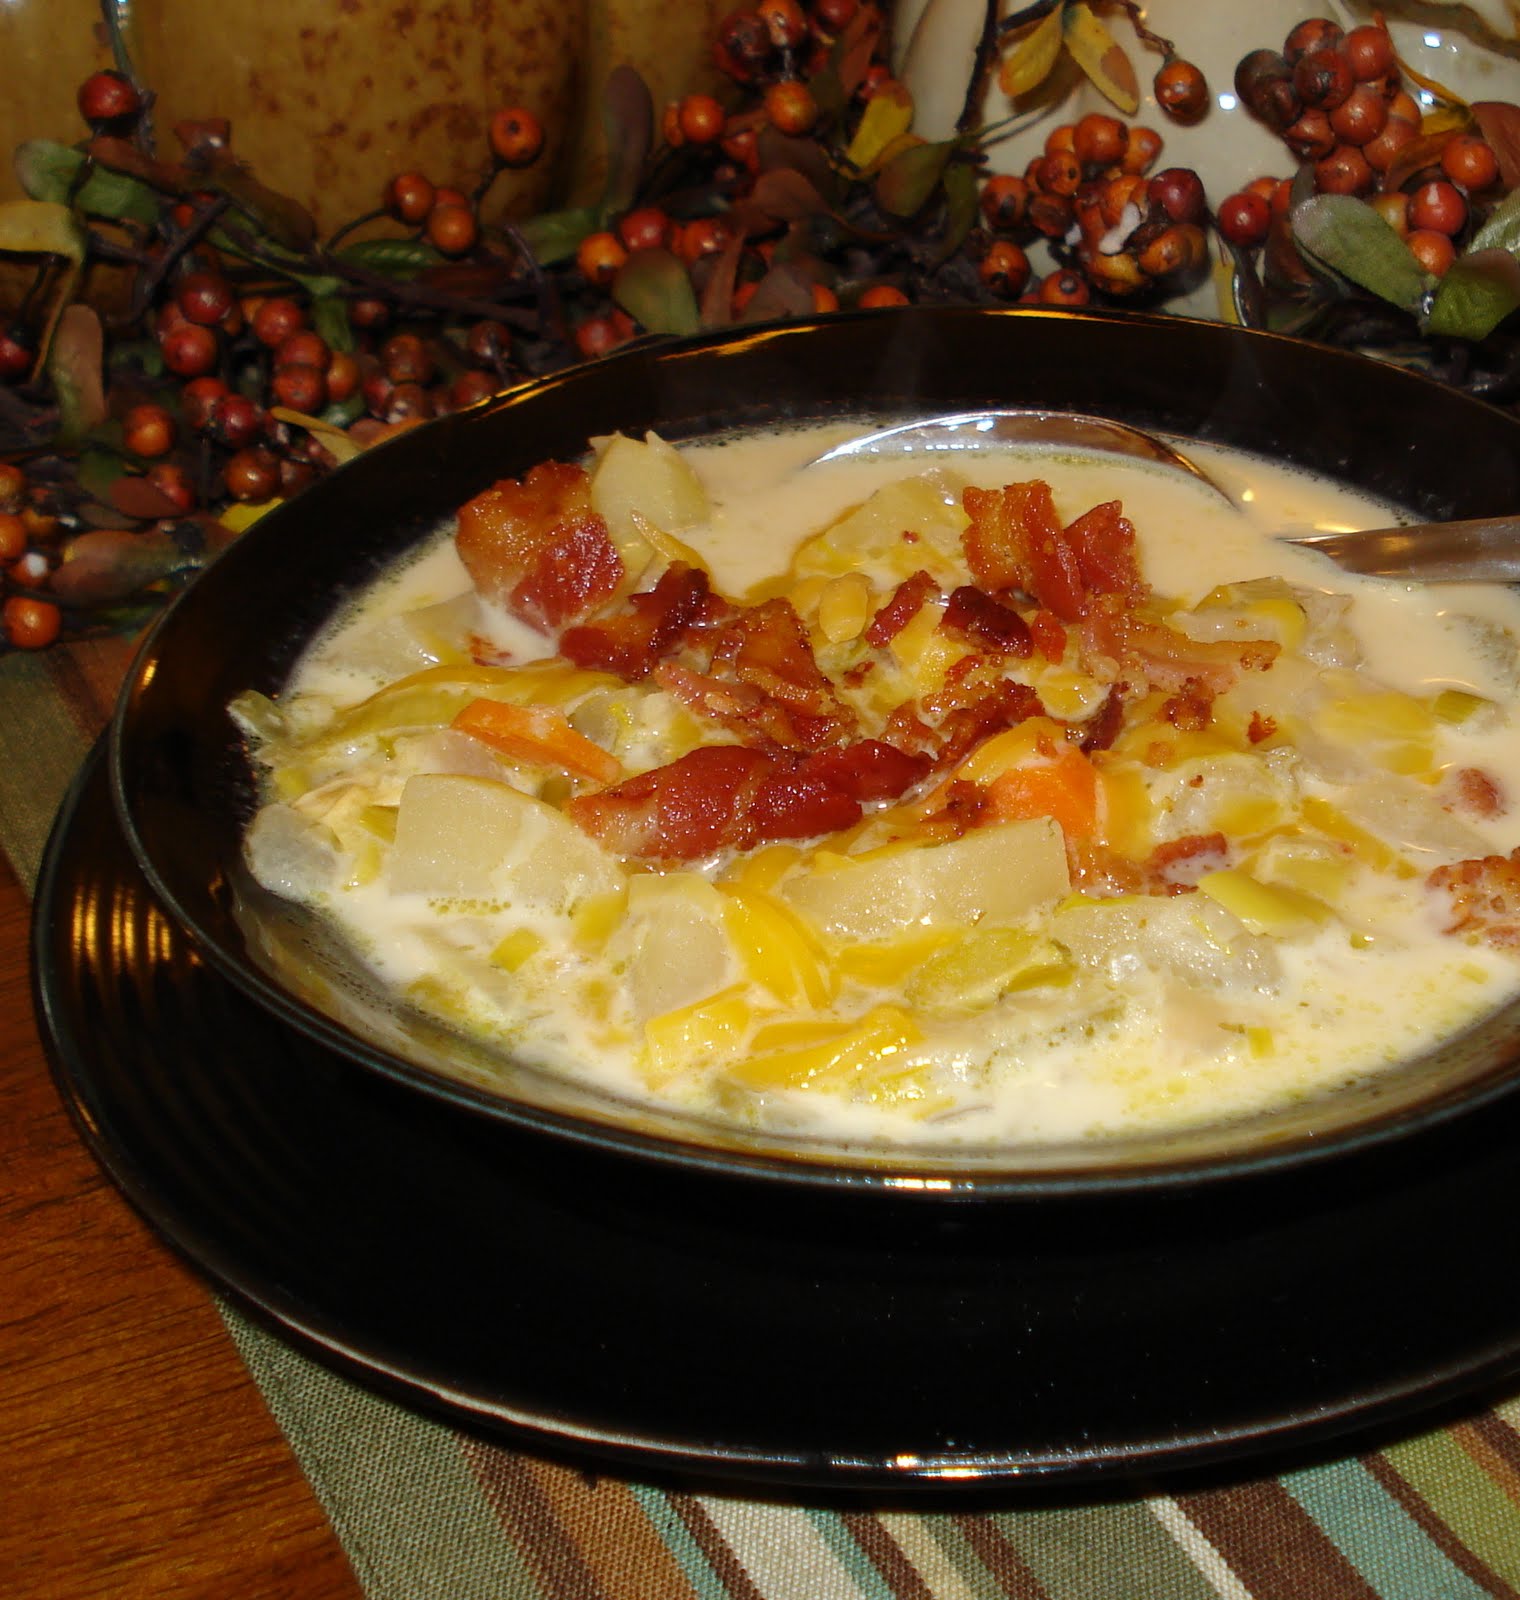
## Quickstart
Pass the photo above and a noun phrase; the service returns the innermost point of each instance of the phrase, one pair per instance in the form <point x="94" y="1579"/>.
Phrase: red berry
<point x="17" y="355"/>
<point x="791" y="107"/>
<point x="1470" y="162"/>
<point x="489" y="342"/>
<point x="785" y="21"/>
<point x="407" y="359"/>
<point x="105" y="96"/>
<point x="1060" y="173"/>
<point x="1099" y="140"/>
<point x="700" y="119"/>
<point x="1244" y="218"/>
<point x="1182" y="91"/>
<point x="1369" y="51"/>
<point x="1382" y="151"/>
<point x="1434" y="251"/>
<point x="1361" y="116"/>
<point x="451" y="230"/>
<point x="148" y="430"/>
<point x="300" y="387"/>
<point x="1322" y="78"/>
<point x="30" y="624"/>
<point x="252" y="475"/>
<point x="1437" y="206"/>
<point x="204" y="297"/>
<point x="235" y="420"/>
<point x="646" y="228"/>
<point x="342" y="376"/>
<point x="173" y="483"/>
<point x="1316" y="33"/>
<point x="189" y="350"/>
<point x="1179" y="193"/>
<point x="516" y="136"/>
<point x="276" y="319"/>
<point x="470" y="388"/>
<point x="369" y="313"/>
<point x="1004" y="201"/>
<point x="12" y="537"/>
<point x="883" y="294"/>
<point x="1065" y="289"/>
<point x="1344" y="171"/>
<point x="409" y="196"/>
<point x="306" y="348"/>
<point x="1005" y="269"/>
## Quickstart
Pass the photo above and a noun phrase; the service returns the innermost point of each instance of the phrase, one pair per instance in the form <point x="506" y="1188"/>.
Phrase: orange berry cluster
<point x="1337" y="100"/>
<point x="1117" y="228"/>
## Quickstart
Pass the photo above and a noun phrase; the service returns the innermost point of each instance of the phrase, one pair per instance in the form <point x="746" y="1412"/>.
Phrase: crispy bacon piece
<point x="1485" y="898"/>
<point x="974" y="613"/>
<point x="633" y="640"/>
<point x="740" y="707"/>
<point x="1014" y="540"/>
<point x="766" y="647"/>
<point x="869" y="769"/>
<point x="1107" y="722"/>
<point x="1104" y="542"/>
<point x="732" y="797"/>
<point x="966" y="726"/>
<point x="1176" y="866"/>
<point x="908" y="598"/>
<point x="1260" y="728"/>
<point x="1474" y="793"/>
<point x="1191" y="709"/>
<point x="1048" y="636"/>
<point x="1116" y="640"/>
<point x="536" y="546"/>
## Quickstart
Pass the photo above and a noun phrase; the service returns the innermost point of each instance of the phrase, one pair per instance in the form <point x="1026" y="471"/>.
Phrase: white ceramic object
<point x="936" y="44"/>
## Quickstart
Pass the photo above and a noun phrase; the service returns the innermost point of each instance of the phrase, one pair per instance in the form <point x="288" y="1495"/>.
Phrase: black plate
<point x="668" y="1319"/>
<point x="185" y="787"/>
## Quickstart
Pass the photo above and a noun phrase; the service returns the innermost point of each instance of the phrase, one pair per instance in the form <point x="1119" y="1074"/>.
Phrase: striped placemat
<point x="428" y="1514"/>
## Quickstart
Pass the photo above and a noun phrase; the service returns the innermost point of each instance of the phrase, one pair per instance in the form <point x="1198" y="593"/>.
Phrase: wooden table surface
<point x="137" y="1458"/>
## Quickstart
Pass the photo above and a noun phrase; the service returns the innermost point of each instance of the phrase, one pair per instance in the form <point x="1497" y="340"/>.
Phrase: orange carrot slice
<point x="539" y="737"/>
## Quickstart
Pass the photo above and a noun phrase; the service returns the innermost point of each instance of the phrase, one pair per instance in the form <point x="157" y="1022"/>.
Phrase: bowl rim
<point x="934" y="1172"/>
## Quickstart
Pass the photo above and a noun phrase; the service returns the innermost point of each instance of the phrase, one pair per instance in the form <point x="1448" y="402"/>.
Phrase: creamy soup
<point x="999" y="796"/>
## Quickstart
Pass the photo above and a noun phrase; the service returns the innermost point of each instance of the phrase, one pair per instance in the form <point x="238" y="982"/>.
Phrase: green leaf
<point x="48" y="171"/>
<point x="95" y="472"/>
<point x="402" y="259"/>
<point x="1502" y="229"/>
<point x="962" y="201"/>
<point x="111" y="564"/>
<point x="41" y="226"/>
<point x="329" y="317"/>
<point x="76" y="365"/>
<point x="628" y="120"/>
<point x="1093" y="49"/>
<point x="1478" y="292"/>
<point x="556" y="235"/>
<point x="1032" y="60"/>
<point x="887" y="117"/>
<point x="653" y="287"/>
<point x="905" y="184"/>
<point x="1353" y="240"/>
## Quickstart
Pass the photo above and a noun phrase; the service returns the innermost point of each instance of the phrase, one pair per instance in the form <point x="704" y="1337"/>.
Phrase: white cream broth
<point x="897" y="984"/>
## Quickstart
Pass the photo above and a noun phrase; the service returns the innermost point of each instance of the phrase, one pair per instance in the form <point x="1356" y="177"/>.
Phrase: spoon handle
<point x="1483" y="550"/>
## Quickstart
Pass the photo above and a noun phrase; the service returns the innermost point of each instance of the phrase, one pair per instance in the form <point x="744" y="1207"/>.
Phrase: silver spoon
<point x="1482" y="550"/>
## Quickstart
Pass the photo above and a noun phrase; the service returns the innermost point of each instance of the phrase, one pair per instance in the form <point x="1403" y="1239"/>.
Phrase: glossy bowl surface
<point x="184" y="789"/>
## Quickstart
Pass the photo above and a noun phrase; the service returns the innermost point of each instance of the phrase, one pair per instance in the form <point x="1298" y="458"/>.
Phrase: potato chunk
<point x="471" y="838"/>
<point x="990" y="876"/>
<point x="651" y="482"/>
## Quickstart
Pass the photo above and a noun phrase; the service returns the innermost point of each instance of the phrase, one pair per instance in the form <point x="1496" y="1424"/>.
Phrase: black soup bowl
<point x="185" y="788"/>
